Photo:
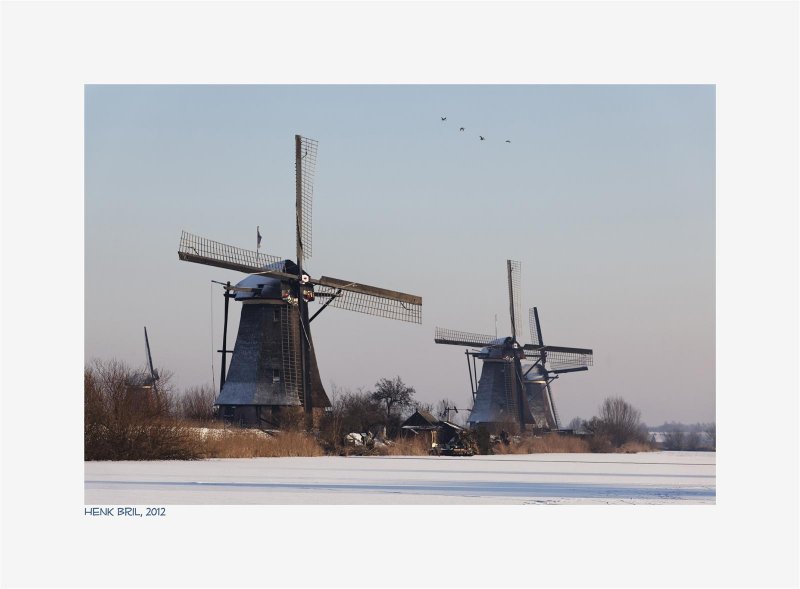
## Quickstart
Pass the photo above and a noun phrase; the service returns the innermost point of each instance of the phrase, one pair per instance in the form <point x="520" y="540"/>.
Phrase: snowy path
<point x="649" y="478"/>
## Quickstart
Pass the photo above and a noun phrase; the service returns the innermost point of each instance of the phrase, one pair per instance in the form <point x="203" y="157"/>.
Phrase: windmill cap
<point x="270" y="288"/>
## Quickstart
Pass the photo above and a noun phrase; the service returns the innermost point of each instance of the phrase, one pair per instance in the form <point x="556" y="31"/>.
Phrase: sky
<point x="606" y="195"/>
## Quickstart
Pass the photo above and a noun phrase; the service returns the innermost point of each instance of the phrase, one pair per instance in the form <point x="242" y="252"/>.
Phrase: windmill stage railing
<point x="194" y="248"/>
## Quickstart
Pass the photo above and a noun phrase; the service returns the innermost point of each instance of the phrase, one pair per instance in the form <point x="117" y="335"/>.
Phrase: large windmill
<point x="514" y="387"/>
<point x="273" y="376"/>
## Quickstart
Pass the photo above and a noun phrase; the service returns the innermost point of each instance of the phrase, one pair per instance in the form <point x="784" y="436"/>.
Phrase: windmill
<point x="153" y="372"/>
<point x="145" y="380"/>
<point x="141" y="389"/>
<point x="514" y="387"/>
<point x="273" y="376"/>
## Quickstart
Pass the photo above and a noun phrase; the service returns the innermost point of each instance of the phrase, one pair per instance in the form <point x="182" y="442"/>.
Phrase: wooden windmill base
<point x="269" y="416"/>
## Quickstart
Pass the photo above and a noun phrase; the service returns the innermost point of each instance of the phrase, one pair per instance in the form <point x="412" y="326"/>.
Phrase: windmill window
<point x="276" y="314"/>
<point x="276" y="375"/>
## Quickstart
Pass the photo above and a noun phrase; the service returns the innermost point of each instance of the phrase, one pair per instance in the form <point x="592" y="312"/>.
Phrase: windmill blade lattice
<point x="194" y="248"/>
<point x="462" y="338"/>
<point x="370" y="304"/>
<point x="514" y="296"/>
<point x="560" y="358"/>
<point x="305" y="166"/>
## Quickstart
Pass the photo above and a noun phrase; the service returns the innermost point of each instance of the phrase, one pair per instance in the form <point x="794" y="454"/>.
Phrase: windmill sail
<point x="153" y="373"/>
<point x="371" y="300"/>
<point x="536" y="328"/>
<point x="200" y="250"/>
<point x="514" y="295"/>
<point x="560" y="357"/>
<point x="305" y="165"/>
<point x="462" y="338"/>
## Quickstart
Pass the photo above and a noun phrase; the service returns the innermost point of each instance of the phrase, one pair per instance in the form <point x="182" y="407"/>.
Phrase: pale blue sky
<point x="606" y="196"/>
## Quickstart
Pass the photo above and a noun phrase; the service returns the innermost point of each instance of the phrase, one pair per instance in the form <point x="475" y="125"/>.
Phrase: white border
<point x="748" y="49"/>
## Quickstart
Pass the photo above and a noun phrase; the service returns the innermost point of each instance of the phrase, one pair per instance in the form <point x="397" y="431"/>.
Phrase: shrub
<point x="197" y="403"/>
<point x="351" y="411"/>
<point x="124" y="420"/>
<point x="600" y="443"/>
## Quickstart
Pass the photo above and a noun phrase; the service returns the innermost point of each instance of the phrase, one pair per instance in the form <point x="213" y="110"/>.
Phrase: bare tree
<point x="442" y="408"/>
<point x="356" y="411"/>
<point x="710" y="429"/>
<point x="674" y="440"/>
<point x="393" y="393"/>
<point x="692" y="441"/>
<point x="421" y="406"/>
<point x="620" y="420"/>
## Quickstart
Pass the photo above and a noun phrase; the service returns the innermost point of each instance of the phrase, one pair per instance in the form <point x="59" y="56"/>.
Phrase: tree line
<point x="125" y="420"/>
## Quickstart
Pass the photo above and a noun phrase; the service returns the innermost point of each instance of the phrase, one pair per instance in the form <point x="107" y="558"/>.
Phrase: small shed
<point x="421" y="419"/>
<point x="421" y="423"/>
<point x="448" y="432"/>
<point x="435" y="431"/>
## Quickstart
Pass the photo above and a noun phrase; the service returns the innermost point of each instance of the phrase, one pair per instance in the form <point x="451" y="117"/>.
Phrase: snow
<point x="646" y="478"/>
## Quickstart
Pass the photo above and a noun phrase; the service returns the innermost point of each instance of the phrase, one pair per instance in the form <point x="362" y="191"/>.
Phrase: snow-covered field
<point x="648" y="478"/>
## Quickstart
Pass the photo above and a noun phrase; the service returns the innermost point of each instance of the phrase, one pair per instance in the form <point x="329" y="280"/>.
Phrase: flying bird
<point x="444" y="118"/>
<point x="482" y="137"/>
<point x="461" y="129"/>
<point x="508" y="140"/>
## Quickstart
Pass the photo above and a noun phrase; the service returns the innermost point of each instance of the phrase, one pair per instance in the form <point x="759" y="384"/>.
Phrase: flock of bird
<point x="481" y="137"/>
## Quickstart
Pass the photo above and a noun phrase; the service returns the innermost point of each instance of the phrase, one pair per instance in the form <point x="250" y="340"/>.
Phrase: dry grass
<point x="552" y="443"/>
<point x="416" y="446"/>
<point x="543" y="445"/>
<point x="634" y="447"/>
<point x="244" y="443"/>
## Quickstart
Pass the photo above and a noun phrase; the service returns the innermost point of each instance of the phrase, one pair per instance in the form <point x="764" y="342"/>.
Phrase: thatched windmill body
<point x="513" y="391"/>
<point x="273" y="376"/>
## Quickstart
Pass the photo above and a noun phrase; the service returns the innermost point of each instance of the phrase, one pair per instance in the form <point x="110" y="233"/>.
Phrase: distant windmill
<point x="273" y="377"/>
<point x="153" y="373"/>
<point x="514" y="387"/>
<point x="141" y="387"/>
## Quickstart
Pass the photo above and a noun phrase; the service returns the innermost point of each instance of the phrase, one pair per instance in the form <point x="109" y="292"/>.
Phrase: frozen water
<point x="646" y="478"/>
